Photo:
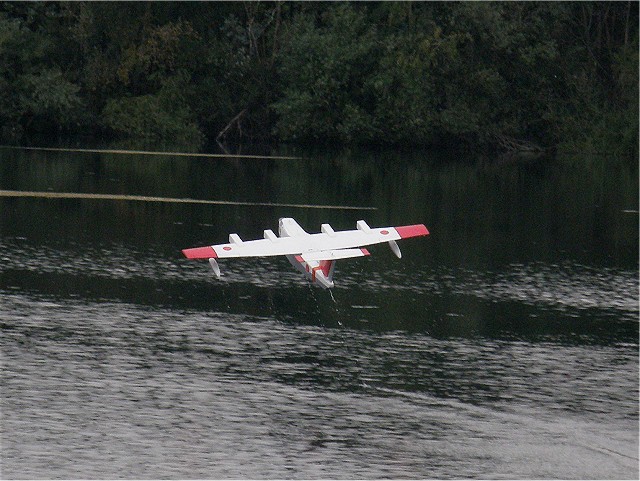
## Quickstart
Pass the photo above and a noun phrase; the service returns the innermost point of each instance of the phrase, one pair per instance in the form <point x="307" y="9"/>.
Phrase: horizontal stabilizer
<point x="333" y="255"/>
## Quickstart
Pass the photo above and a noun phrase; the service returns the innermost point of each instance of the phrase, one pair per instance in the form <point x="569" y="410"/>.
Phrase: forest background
<point x="543" y="75"/>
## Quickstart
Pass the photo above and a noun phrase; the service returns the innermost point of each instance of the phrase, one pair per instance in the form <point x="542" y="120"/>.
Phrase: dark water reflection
<point x="504" y="345"/>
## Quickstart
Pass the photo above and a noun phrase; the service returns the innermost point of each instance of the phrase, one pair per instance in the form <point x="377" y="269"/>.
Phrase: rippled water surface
<point x="504" y="345"/>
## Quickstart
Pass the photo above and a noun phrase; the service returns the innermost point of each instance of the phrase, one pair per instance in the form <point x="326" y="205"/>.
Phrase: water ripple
<point x="187" y="393"/>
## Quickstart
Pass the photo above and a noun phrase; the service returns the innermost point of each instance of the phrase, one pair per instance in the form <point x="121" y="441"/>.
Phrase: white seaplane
<point x="312" y="254"/>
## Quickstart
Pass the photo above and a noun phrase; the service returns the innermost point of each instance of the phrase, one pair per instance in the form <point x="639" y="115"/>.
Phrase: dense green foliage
<point x="475" y="73"/>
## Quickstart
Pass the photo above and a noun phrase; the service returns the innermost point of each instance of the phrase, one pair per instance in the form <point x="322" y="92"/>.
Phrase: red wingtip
<point x="200" y="253"/>
<point x="412" y="230"/>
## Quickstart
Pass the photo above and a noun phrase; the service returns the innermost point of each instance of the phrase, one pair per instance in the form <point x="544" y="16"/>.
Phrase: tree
<point x="36" y="94"/>
<point x="429" y="73"/>
<point x="323" y="69"/>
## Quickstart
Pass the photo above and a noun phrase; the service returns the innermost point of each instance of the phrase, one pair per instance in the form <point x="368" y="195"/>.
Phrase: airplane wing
<point x="304" y="243"/>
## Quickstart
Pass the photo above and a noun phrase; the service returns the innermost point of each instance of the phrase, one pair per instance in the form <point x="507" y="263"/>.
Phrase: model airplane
<point x="312" y="254"/>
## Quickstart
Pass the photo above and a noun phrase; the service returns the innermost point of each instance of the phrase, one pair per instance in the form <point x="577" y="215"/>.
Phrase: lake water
<point x="503" y="345"/>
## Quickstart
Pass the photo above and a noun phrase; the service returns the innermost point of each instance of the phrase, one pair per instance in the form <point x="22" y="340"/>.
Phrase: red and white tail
<point x="327" y="268"/>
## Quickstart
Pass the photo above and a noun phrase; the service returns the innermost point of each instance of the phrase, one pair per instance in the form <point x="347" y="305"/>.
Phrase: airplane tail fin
<point x="327" y="268"/>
